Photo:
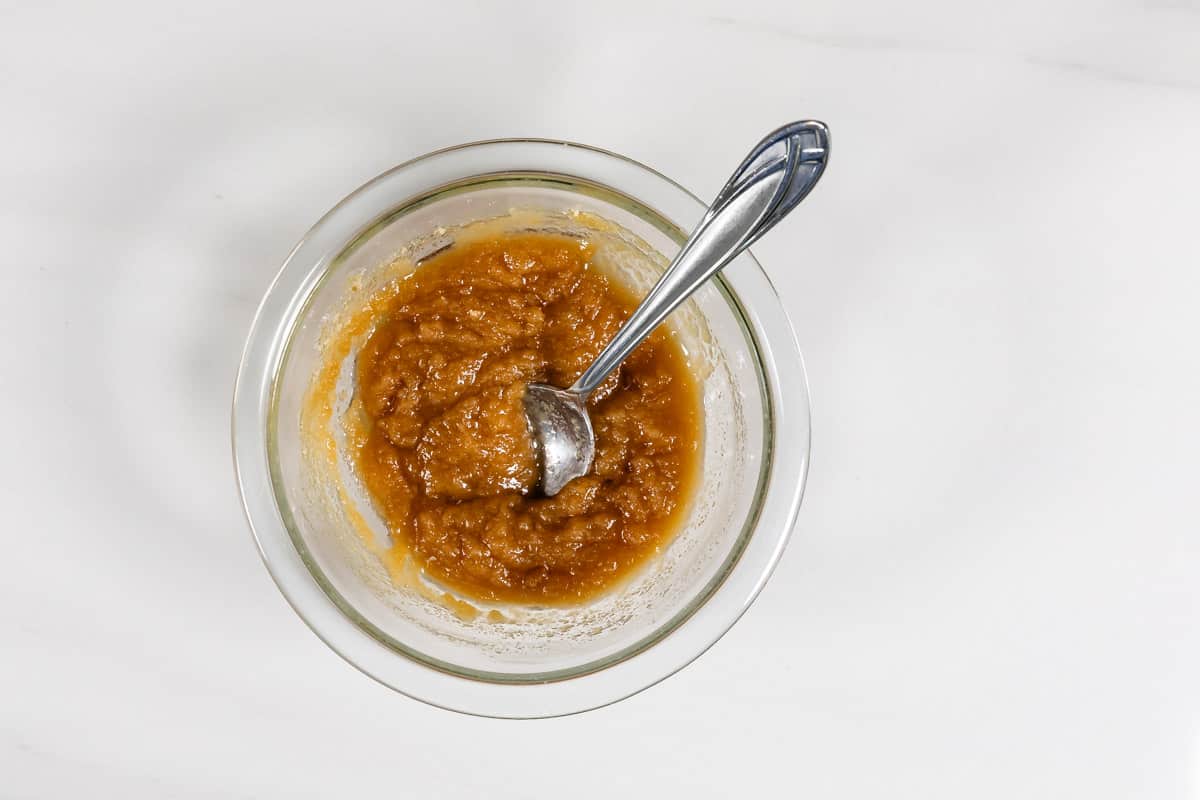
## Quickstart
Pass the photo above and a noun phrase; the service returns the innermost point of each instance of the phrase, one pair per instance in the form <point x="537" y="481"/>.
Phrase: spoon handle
<point x="779" y="172"/>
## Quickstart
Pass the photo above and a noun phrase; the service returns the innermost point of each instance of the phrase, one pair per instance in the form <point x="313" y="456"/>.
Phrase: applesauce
<point x="447" y="459"/>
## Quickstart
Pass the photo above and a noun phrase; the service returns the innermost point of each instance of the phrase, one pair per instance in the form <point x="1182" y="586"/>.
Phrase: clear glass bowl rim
<point x="786" y="387"/>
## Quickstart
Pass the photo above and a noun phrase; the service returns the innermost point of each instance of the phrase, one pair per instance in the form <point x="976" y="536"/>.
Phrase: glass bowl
<point x="315" y="528"/>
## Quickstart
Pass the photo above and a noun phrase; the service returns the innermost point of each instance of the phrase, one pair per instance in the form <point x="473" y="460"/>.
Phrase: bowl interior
<point x="336" y="532"/>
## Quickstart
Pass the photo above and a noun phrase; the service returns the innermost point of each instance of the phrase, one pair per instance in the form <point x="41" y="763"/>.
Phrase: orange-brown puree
<point x="447" y="458"/>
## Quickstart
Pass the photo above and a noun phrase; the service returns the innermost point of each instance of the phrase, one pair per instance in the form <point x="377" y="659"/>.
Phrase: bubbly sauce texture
<point x="447" y="457"/>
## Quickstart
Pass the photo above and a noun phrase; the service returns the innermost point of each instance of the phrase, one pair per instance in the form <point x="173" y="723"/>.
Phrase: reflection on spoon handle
<point x="779" y="172"/>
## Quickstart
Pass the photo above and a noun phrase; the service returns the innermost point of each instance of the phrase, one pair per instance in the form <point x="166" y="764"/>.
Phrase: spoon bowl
<point x="561" y="429"/>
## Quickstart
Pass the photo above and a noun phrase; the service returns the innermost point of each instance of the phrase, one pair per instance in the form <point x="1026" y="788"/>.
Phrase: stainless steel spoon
<point x="779" y="172"/>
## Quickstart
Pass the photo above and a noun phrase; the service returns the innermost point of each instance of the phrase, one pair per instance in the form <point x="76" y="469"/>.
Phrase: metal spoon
<point x="779" y="172"/>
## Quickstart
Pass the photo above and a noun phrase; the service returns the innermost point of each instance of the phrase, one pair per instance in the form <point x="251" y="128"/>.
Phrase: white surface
<point x="995" y="588"/>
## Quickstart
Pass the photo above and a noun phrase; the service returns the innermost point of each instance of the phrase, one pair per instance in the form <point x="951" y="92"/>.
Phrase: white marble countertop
<point x="994" y="591"/>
